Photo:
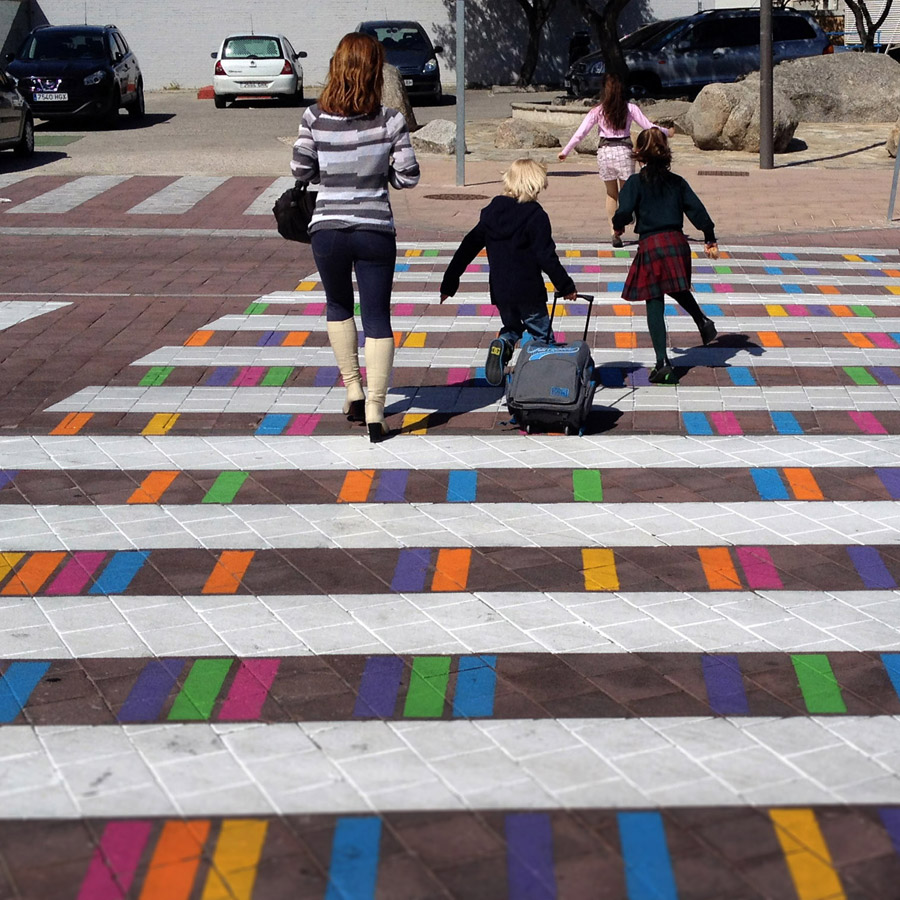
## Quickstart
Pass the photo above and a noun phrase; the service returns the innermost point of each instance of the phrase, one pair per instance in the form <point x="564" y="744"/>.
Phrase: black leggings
<point x="656" y="320"/>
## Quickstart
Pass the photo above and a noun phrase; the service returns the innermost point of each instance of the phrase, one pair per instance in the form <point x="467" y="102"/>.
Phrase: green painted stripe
<point x="256" y="308"/>
<point x="860" y="375"/>
<point x="427" y="687"/>
<point x="430" y="252"/>
<point x="196" y="699"/>
<point x="820" y="689"/>
<point x="588" y="485"/>
<point x="863" y="311"/>
<point x="156" y="376"/>
<point x="225" y="487"/>
<point x="722" y="270"/>
<point x="620" y="254"/>
<point x="357" y="311"/>
<point x="277" y="376"/>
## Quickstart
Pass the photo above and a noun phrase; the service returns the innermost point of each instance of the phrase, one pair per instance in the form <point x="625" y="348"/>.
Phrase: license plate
<point x="41" y="96"/>
<point x="407" y="82"/>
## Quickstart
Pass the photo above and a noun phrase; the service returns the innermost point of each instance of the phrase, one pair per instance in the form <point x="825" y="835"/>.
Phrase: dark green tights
<point x="656" y="321"/>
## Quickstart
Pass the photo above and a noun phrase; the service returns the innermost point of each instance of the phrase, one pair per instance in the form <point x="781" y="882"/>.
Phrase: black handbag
<point x="293" y="211"/>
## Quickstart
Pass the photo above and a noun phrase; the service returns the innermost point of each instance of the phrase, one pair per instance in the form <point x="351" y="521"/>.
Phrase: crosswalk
<point x="246" y="654"/>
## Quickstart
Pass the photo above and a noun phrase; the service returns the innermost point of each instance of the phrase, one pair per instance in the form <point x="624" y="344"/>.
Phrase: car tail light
<point x="219" y="69"/>
<point x="286" y="68"/>
<point x="828" y="49"/>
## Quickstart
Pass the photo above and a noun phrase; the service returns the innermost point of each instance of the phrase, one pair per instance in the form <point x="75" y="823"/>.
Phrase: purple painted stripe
<point x="151" y="690"/>
<point x="725" y="684"/>
<point x="640" y="377"/>
<point x="467" y="309"/>
<point x="392" y="486"/>
<point x="377" y="697"/>
<point x="7" y="476"/>
<point x="890" y="478"/>
<point x="115" y="861"/>
<point x="890" y="818"/>
<point x="529" y="857"/>
<point x="270" y="339"/>
<point x="326" y="376"/>
<point x="222" y="376"/>
<point x="412" y="567"/>
<point x="885" y="374"/>
<point x="871" y="568"/>
<point x="77" y="573"/>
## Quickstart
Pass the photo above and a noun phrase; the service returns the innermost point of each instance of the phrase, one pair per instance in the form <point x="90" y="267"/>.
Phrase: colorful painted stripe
<point x="587" y="485"/>
<point x="16" y="685"/>
<point x="176" y="858"/>
<point x="451" y="569"/>
<point x="645" y="852"/>
<point x="201" y="688"/>
<point x="392" y="486"/>
<point x="806" y="854"/>
<point x="378" y="690"/>
<point x="718" y="567"/>
<point x="462" y="486"/>
<point x="725" y="684"/>
<point x="225" y="488"/>
<point x="119" y="572"/>
<point x="427" y="690"/>
<point x="476" y="682"/>
<point x="818" y="684"/>
<point x="529" y="857"/>
<point x="353" y="868"/>
<point x="155" y="683"/>
<point x="228" y="572"/>
<point x="599" y="567"/>
<point x="115" y="861"/>
<point x="871" y="568"/>
<point x="235" y="860"/>
<point x="76" y="573"/>
<point x="249" y="690"/>
<point x="153" y="487"/>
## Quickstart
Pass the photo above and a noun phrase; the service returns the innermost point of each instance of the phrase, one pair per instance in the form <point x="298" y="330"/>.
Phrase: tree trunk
<point x="536" y="14"/>
<point x="605" y="25"/>
<point x="865" y="27"/>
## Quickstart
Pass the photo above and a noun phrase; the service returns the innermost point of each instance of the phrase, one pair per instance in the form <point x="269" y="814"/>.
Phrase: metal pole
<point x="461" y="92"/>
<point x="890" y="214"/>
<point x="766" y="116"/>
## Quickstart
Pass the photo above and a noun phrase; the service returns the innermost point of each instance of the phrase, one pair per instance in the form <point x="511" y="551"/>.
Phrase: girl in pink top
<point x="612" y="118"/>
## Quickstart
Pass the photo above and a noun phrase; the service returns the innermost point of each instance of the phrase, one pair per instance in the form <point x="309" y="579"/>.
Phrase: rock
<point x="513" y="134"/>
<point x="893" y="139"/>
<point x="438" y="136"/>
<point x="726" y="117"/>
<point x="668" y="113"/>
<point x="394" y="95"/>
<point x="588" y="143"/>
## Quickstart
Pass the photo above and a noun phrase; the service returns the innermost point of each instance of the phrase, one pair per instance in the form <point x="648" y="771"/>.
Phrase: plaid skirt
<point x="662" y="265"/>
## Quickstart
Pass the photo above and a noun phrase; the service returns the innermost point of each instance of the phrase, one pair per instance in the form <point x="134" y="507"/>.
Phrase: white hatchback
<point x="257" y="65"/>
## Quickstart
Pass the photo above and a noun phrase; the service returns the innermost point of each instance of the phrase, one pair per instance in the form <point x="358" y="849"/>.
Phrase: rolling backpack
<point x="552" y="386"/>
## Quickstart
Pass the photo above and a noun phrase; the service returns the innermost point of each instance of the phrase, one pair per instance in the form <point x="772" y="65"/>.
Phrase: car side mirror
<point x="301" y="55"/>
<point x="439" y="49"/>
<point x="213" y="55"/>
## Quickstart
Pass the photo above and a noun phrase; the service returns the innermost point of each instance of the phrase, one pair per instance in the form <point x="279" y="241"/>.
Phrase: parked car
<point x="257" y="65"/>
<point x="16" y="123"/>
<point x="687" y="53"/>
<point x="78" y="70"/>
<point x="408" y="47"/>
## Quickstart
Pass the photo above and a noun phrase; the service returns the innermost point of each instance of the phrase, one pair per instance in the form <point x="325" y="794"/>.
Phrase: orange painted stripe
<point x="843" y="312"/>
<point x="73" y="423"/>
<point x="451" y="572"/>
<point x="770" y="339"/>
<point x="295" y="339"/>
<point x="398" y="337"/>
<point x="198" y="338"/>
<point x="356" y="486"/>
<point x="228" y="572"/>
<point x="31" y="576"/>
<point x="153" y="487"/>
<point x="891" y="273"/>
<point x="803" y="484"/>
<point x="605" y="254"/>
<point x="621" y="309"/>
<point x="626" y="340"/>
<point x="858" y="340"/>
<point x="827" y="288"/>
<point x="482" y="253"/>
<point x="719" y="569"/>
<point x="173" y="868"/>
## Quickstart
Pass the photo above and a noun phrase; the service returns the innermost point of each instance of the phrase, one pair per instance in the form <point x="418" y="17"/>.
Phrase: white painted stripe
<point x="483" y="622"/>
<point x="68" y="196"/>
<point x="179" y="197"/>
<point x="12" y="312"/>
<point x="359" y="767"/>
<point x="253" y="453"/>
<point x="262" y="205"/>
<point x="374" y="525"/>
<point x="12" y="178"/>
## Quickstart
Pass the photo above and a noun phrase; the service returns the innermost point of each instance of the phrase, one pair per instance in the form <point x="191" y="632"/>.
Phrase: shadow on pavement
<point x="818" y="159"/>
<point x="123" y="123"/>
<point x="40" y="158"/>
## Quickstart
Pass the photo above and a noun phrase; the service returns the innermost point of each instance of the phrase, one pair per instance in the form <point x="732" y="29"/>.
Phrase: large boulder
<point x="839" y="87"/>
<point x="393" y="94"/>
<point x="514" y="134"/>
<point x="438" y="136"/>
<point x="726" y="117"/>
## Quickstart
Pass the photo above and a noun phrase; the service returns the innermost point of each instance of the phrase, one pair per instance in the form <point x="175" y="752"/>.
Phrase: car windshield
<point x="251" y="47"/>
<point x="64" y="45"/>
<point x="400" y="37"/>
<point x="647" y="34"/>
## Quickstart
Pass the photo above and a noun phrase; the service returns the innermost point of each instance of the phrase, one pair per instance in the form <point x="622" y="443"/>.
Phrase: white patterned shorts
<point x="615" y="162"/>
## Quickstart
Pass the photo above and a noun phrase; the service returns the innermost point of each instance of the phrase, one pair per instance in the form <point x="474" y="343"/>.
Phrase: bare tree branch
<point x="604" y="22"/>
<point x="866" y="28"/>
<point x="537" y="12"/>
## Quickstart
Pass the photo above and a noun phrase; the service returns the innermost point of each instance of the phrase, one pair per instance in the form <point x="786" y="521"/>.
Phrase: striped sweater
<point x="354" y="158"/>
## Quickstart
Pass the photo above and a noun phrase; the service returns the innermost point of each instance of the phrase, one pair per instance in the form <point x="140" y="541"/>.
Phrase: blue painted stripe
<point x="868" y="257"/>
<point x="673" y="310"/>
<point x="890" y="818"/>
<point x="793" y="288"/>
<point x="7" y="476"/>
<point x="773" y="270"/>
<point x="353" y="869"/>
<point x="222" y="376"/>
<point x="696" y="423"/>
<point x="725" y="684"/>
<point x="529" y="857"/>
<point x="648" y="868"/>
<point x="769" y="484"/>
<point x="616" y="286"/>
<point x="895" y="336"/>
<point x="885" y="374"/>
<point x="711" y="309"/>
<point x="476" y="683"/>
<point x="479" y="378"/>
<point x="401" y="267"/>
<point x="786" y="423"/>
<point x="891" y="663"/>
<point x="461" y="486"/>
<point x="119" y="571"/>
<point x="274" y="423"/>
<point x="16" y="685"/>
<point x="702" y="288"/>
<point x="741" y="376"/>
<point x="147" y="698"/>
<point x="788" y="255"/>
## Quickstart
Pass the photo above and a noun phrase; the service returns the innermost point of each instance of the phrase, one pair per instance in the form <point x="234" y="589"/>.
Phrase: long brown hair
<point x="653" y="151"/>
<point x="355" y="77"/>
<point x="614" y="103"/>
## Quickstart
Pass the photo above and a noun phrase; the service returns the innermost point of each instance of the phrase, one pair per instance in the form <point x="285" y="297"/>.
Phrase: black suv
<point x="408" y="47"/>
<point x="78" y="70"/>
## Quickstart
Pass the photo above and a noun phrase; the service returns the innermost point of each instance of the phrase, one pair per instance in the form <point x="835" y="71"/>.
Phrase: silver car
<point x="257" y="65"/>
<point x="16" y="123"/>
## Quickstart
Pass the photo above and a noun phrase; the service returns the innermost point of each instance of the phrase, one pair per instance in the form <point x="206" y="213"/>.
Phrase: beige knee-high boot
<point x="379" y="360"/>
<point x="345" y="344"/>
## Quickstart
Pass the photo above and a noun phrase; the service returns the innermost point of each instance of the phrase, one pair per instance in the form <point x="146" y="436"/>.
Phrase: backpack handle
<point x="590" y="302"/>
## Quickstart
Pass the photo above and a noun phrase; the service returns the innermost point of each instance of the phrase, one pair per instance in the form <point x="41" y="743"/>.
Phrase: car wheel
<point x="136" y="107"/>
<point x="220" y="101"/>
<point x="25" y="145"/>
<point x="298" y="94"/>
<point x="645" y="86"/>
<point x="111" y="117"/>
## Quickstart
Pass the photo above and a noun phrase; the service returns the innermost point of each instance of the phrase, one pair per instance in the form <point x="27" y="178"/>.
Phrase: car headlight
<point x="430" y="66"/>
<point x="95" y="78"/>
<point x="597" y="68"/>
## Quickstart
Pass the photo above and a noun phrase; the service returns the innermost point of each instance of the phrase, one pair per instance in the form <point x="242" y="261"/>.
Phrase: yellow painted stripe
<point x="803" y="484"/>
<point x="8" y="563"/>
<point x="893" y="288"/>
<point x="549" y="286"/>
<point x="413" y="252"/>
<point x="775" y="309"/>
<point x="626" y="340"/>
<point x="415" y="339"/>
<point x="719" y="569"/>
<point x="451" y="571"/>
<point x="161" y="423"/>
<point x="599" y="567"/>
<point x="153" y="487"/>
<point x="806" y="854"/>
<point x="198" y="338"/>
<point x="235" y="861"/>
<point x="356" y="486"/>
<point x="72" y="423"/>
<point x="770" y="339"/>
<point x="858" y="340"/>
<point x="560" y="309"/>
<point x="306" y="286"/>
<point x="852" y="257"/>
<point x="415" y="423"/>
<point x="573" y="253"/>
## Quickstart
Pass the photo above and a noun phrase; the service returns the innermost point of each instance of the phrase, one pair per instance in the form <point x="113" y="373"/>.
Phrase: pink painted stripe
<point x="249" y="690"/>
<point x="486" y="309"/>
<point x="457" y="376"/>
<point x="795" y="309"/>
<point x="305" y="423"/>
<point x="759" y="568"/>
<point x="725" y="423"/>
<point x="314" y="309"/>
<point x="885" y="341"/>
<point x="473" y="267"/>
<point x="723" y="288"/>
<point x="249" y="376"/>
<point x="115" y="861"/>
<point x="77" y="573"/>
<point x="592" y="269"/>
<point x="560" y="337"/>
<point x="404" y="309"/>
<point x="771" y="256"/>
<point x="867" y="423"/>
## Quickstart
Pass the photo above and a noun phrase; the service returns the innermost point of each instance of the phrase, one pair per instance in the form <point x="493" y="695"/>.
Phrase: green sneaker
<point x="663" y="374"/>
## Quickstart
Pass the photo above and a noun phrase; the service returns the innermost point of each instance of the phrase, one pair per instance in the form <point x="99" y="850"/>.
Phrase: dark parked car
<point x="408" y="47"/>
<point x="78" y="70"/>
<point x="16" y="124"/>
<point x="687" y="53"/>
